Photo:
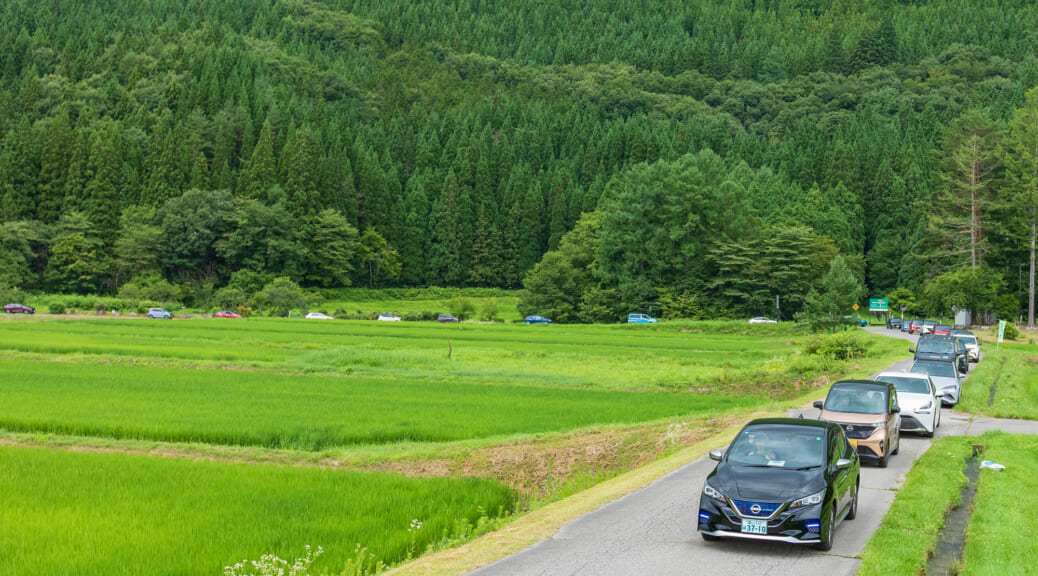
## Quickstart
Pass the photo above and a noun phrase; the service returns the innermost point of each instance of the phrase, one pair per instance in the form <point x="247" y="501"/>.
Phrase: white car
<point x="318" y="316"/>
<point x="919" y="399"/>
<point x="972" y="346"/>
<point x="388" y="318"/>
<point x="944" y="377"/>
<point x="762" y="320"/>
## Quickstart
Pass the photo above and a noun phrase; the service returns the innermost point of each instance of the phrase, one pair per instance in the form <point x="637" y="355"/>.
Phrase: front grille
<point x="745" y="508"/>
<point x="910" y="423"/>
<point x="857" y="431"/>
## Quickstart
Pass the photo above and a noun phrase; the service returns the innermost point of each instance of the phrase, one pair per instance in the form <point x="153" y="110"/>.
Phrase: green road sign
<point x="877" y="304"/>
<point x="1001" y="330"/>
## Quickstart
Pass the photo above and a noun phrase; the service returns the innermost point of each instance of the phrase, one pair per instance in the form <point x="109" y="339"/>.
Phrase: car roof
<point x="903" y="375"/>
<point x="938" y="337"/>
<point x="861" y="384"/>
<point x="802" y="422"/>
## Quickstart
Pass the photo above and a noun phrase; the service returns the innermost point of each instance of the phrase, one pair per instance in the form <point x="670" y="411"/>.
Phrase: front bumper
<point x="795" y="526"/>
<point x="921" y="421"/>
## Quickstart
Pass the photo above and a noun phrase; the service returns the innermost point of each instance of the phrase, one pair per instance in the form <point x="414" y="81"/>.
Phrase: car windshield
<point x="778" y="446"/>
<point x="939" y="369"/>
<point x="857" y="399"/>
<point x="935" y="347"/>
<point x="906" y="384"/>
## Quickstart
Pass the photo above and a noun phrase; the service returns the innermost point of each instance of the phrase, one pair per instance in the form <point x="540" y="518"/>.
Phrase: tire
<point x="709" y="538"/>
<point x="886" y="457"/>
<point x="853" y="512"/>
<point x="826" y="542"/>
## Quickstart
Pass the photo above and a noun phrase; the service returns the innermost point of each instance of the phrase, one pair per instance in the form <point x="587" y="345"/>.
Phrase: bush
<point x="840" y="346"/>
<point x="55" y="307"/>
<point x="488" y="312"/>
<point x="461" y="308"/>
<point x="1011" y="332"/>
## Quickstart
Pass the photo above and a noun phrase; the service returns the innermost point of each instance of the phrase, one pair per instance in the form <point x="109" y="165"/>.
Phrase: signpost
<point x="1001" y="332"/>
<point x="878" y="306"/>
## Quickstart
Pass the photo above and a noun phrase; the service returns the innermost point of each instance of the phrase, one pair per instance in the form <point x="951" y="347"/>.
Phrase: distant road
<point x="653" y="531"/>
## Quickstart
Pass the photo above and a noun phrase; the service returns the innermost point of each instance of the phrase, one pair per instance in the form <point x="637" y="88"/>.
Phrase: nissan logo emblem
<point x="850" y="428"/>
<point x="755" y="508"/>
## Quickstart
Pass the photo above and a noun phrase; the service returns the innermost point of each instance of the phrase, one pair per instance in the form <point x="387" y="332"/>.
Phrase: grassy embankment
<point x="1005" y="384"/>
<point x="999" y="539"/>
<point x="372" y="396"/>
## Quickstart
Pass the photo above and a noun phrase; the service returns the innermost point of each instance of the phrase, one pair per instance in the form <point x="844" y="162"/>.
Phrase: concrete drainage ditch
<point x="947" y="556"/>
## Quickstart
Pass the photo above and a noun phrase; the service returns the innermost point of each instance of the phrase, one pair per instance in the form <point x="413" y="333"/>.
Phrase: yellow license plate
<point x="853" y="442"/>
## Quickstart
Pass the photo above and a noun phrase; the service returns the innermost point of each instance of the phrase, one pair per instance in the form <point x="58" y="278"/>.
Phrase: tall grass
<point x="308" y="412"/>
<point x="1005" y="384"/>
<point x="108" y="514"/>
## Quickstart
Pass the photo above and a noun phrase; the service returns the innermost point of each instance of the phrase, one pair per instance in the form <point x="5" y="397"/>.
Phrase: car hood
<point x="912" y="402"/>
<point x="942" y="382"/>
<point x="852" y="417"/>
<point x="763" y="484"/>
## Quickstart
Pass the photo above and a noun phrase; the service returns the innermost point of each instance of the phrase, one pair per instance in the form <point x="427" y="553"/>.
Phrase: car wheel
<point x="853" y="513"/>
<point x="827" y="537"/>
<point x="886" y="457"/>
<point x="709" y="537"/>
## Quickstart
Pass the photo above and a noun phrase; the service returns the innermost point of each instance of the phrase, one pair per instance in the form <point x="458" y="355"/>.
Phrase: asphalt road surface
<point x="653" y="531"/>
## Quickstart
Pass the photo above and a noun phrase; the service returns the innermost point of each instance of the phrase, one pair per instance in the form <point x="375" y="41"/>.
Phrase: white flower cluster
<point x="416" y="525"/>
<point x="271" y="565"/>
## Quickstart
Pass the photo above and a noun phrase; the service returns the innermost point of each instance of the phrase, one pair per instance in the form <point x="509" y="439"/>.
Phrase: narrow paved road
<point x="653" y="531"/>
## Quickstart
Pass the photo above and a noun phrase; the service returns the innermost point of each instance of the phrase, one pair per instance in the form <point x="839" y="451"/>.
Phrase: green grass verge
<point x="111" y="514"/>
<point x="1001" y="538"/>
<point x="909" y="530"/>
<point x="1013" y="371"/>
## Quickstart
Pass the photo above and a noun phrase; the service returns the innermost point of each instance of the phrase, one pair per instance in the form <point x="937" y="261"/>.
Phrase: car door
<point x="841" y="487"/>
<point x="893" y="419"/>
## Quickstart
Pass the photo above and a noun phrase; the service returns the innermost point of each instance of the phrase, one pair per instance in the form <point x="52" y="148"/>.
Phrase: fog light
<point x="814" y="526"/>
<point x="704" y="516"/>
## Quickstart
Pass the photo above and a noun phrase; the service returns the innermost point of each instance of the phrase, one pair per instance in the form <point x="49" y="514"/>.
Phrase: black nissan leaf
<point x="781" y="479"/>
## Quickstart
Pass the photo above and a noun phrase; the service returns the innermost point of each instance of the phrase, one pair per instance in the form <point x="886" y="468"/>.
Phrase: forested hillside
<point x="721" y="152"/>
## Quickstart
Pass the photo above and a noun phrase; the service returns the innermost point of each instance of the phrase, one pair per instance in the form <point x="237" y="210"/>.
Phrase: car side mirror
<point x="912" y="350"/>
<point x="818" y="404"/>
<point x="843" y="463"/>
<point x="716" y="455"/>
<point x="895" y="410"/>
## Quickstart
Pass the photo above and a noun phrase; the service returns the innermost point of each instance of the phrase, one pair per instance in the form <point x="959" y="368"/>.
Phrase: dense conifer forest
<point x="700" y="156"/>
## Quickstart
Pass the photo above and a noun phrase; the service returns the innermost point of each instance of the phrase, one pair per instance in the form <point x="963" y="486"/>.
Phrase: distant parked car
<point x="159" y="313"/>
<point x="318" y="316"/>
<point x="18" y="309"/>
<point x="641" y="319"/>
<point x="946" y="348"/>
<point x="537" y="320"/>
<point x="762" y="320"/>
<point x="388" y="318"/>
<point x="227" y="314"/>
<point x="894" y="323"/>
<point x="906" y="326"/>
<point x="915" y="326"/>
<point x="446" y="318"/>
<point x="942" y="330"/>
<point x="928" y="326"/>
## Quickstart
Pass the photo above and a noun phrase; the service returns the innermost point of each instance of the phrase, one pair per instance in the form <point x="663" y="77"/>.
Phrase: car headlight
<point x="711" y="493"/>
<point x="808" y="500"/>
<point x="927" y="406"/>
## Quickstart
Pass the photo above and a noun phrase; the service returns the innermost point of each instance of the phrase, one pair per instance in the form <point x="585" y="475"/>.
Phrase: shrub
<point x="55" y="307"/>
<point x="1011" y="332"/>
<point x="461" y="308"/>
<point x="489" y="311"/>
<point x="840" y="346"/>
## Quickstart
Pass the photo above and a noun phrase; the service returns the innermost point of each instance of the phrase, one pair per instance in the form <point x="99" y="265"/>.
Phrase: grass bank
<point x="999" y="539"/>
<point x="1005" y="384"/>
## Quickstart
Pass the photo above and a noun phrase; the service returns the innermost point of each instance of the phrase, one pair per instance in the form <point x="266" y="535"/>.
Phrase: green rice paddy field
<point x="312" y="385"/>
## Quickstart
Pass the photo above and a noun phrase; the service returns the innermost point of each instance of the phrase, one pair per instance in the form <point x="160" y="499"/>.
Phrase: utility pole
<point x="777" y="315"/>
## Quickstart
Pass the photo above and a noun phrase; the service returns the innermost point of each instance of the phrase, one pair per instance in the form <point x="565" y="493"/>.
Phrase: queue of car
<point x="795" y="480"/>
